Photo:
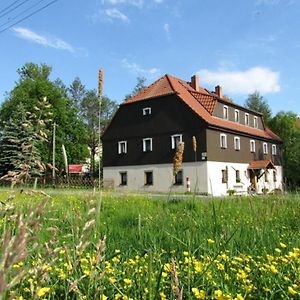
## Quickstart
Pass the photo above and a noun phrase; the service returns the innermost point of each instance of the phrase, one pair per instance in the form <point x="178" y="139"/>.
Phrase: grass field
<point x="71" y="246"/>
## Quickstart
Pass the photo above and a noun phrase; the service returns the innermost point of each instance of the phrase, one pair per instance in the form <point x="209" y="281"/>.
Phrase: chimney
<point x="218" y="91"/>
<point x="195" y="83"/>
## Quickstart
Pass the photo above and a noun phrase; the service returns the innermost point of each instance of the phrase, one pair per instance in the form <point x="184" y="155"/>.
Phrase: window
<point x="237" y="176"/>
<point x="274" y="150"/>
<point x="175" y="140"/>
<point x="252" y="146"/>
<point x="255" y="122"/>
<point x="223" y="141"/>
<point x="123" y="178"/>
<point x="146" y="111"/>
<point x="225" y="112"/>
<point x="179" y="178"/>
<point x="274" y="176"/>
<point x="265" y="148"/>
<point x="237" y="116"/>
<point x="224" y="176"/>
<point x="122" y="147"/>
<point x="247" y="119"/>
<point x="237" y="143"/>
<point x="147" y="145"/>
<point x="266" y="176"/>
<point x="148" y="178"/>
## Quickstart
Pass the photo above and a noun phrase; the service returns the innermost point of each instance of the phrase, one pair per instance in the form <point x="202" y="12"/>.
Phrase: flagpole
<point x="100" y="91"/>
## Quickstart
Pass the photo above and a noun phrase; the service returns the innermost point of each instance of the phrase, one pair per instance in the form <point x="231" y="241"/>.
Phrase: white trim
<point x="265" y="148"/>
<point x="122" y="150"/>
<point x="223" y="141"/>
<point x="237" y="143"/>
<point x="145" y="140"/>
<point x="237" y="115"/>
<point x="252" y="146"/>
<point x="247" y="118"/>
<point x="147" y="111"/>
<point x="173" y="140"/>
<point x="274" y="149"/>
<point x="255" y="122"/>
<point x="225" y="112"/>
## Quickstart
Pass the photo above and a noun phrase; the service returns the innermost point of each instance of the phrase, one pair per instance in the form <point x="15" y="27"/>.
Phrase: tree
<point x="33" y="85"/>
<point x="285" y="125"/>
<point x="140" y="85"/>
<point x="89" y="111"/>
<point x="257" y="103"/>
<point x="76" y="92"/>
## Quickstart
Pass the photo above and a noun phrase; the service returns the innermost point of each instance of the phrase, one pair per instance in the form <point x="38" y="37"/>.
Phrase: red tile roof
<point x="261" y="164"/>
<point x="201" y="102"/>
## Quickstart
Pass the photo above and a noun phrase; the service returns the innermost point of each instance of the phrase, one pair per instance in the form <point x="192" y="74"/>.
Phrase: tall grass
<point x="145" y="248"/>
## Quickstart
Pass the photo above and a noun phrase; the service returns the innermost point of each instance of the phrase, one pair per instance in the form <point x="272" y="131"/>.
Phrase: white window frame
<point x="237" y="143"/>
<point x="225" y="112"/>
<point x="147" y="111"/>
<point x="122" y="150"/>
<point x="145" y="140"/>
<point x="173" y="140"/>
<point x="247" y="118"/>
<point x="237" y="115"/>
<point x="265" y="148"/>
<point x="255" y="122"/>
<point x="252" y="146"/>
<point x="223" y="145"/>
<point x="274" y="149"/>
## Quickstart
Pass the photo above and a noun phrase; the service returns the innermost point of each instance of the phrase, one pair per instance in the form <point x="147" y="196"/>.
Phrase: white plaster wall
<point x="271" y="185"/>
<point x="162" y="177"/>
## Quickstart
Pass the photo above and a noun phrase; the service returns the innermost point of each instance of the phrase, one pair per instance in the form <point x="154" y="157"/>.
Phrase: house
<point x="235" y="149"/>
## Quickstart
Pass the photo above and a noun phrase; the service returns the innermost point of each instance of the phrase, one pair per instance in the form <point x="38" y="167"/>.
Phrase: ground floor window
<point x="237" y="176"/>
<point x="123" y="178"/>
<point x="179" y="178"/>
<point x="274" y="176"/>
<point x="148" y="178"/>
<point x="225" y="176"/>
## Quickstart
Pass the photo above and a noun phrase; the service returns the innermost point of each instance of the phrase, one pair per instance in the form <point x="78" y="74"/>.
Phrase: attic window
<point x="237" y="116"/>
<point x="247" y="119"/>
<point x="255" y="122"/>
<point x="146" y="111"/>
<point x="225" y="112"/>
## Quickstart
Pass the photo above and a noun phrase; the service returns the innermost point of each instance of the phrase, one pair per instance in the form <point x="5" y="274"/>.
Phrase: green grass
<point x="159" y="231"/>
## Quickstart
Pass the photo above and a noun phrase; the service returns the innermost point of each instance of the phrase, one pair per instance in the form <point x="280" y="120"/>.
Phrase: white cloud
<point x="114" y="13"/>
<point x="259" y="79"/>
<point x="34" y="37"/>
<point x="167" y="30"/>
<point x="137" y="69"/>
<point x="267" y="2"/>
<point x="137" y="3"/>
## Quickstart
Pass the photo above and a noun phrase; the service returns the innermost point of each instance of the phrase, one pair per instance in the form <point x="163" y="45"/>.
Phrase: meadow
<point x="78" y="246"/>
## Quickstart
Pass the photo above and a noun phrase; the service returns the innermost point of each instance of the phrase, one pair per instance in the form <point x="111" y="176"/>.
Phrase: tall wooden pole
<point x="100" y="91"/>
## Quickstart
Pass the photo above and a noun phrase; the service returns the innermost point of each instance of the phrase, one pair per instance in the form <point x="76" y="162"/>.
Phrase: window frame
<point x="177" y="178"/>
<point x="147" y="111"/>
<point x="145" y="140"/>
<point x="237" y="176"/>
<point x="237" y="146"/>
<point x="223" y="135"/>
<point x="224" y="175"/>
<point x="265" y="148"/>
<point x="225" y="112"/>
<point x="120" y="148"/>
<point x="237" y="116"/>
<point x="274" y="149"/>
<point x="255" y="122"/>
<point x="122" y="181"/>
<point x="146" y="178"/>
<point x="173" y="140"/>
<point x="247" y="119"/>
<point x="252" y="149"/>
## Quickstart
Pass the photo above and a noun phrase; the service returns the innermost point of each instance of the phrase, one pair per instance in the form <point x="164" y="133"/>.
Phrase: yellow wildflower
<point x="210" y="241"/>
<point x="199" y="294"/>
<point x="282" y="245"/>
<point x="103" y="297"/>
<point x="42" y="291"/>
<point x="292" y="291"/>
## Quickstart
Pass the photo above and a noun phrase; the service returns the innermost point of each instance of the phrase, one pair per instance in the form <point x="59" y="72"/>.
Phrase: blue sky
<point x="243" y="45"/>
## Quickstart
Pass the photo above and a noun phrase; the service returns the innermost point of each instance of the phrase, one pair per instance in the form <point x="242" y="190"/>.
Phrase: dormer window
<point x="255" y="122"/>
<point x="237" y="116"/>
<point x="146" y="111"/>
<point x="225" y="112"/>
<point x="247" y="119"/>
